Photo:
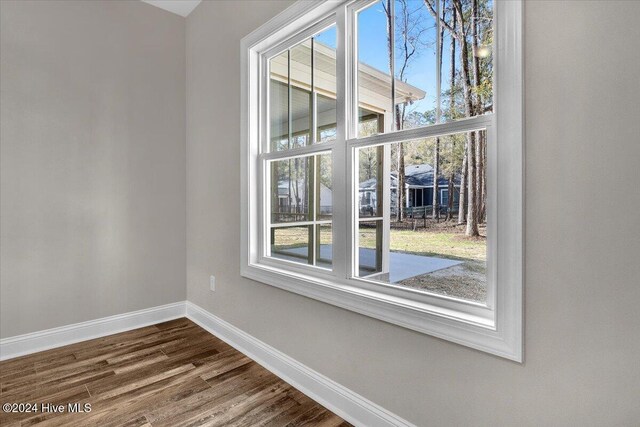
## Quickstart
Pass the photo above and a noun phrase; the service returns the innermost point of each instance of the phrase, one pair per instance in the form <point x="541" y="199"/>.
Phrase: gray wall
<point x="93" y="206"/>
<point x="582" y="270"/>
<point x="93" y="161"/>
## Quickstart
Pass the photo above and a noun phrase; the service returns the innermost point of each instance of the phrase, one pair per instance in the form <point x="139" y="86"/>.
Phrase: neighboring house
<point x="293" y="197"/>
<point x="419" y="190"/>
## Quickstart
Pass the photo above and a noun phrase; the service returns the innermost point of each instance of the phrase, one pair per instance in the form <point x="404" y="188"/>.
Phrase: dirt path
<point x="467" y="281"/>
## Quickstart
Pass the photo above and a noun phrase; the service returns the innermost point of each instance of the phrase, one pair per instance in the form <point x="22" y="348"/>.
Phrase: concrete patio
<point x="402" y="265"/>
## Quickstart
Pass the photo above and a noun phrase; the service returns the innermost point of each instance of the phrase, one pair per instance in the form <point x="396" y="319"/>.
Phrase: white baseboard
<point x="57" y="337"/>
<point x="349" y="405"/>
<point x="335" y="397"/>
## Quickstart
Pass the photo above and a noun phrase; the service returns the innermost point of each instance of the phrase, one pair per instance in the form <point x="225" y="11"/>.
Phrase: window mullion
<point x="341" y="201"/>
<point x="313" y="163"/>
<point x="305" y="151"/>
<point x="447" y="128"/>
<point x="314" y="97"/>
<point x="311" y="200"/>
<point x="289" y="95"/>
<point x="392" y="63"/>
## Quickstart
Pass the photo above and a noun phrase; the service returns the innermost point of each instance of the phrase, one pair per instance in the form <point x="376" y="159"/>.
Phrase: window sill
<point x="472" y="330"/>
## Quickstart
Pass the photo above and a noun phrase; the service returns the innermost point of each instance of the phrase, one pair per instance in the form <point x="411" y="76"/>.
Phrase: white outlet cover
<point x="212" y="283"/>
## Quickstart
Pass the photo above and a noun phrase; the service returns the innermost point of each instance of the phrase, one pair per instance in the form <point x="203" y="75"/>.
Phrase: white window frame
<point x="495" y="327"/>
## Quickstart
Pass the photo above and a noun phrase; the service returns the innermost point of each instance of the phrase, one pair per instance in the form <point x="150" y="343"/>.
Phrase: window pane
<point x="279" y="101"/>
<point x="324" y="82"/>
<point x="324" y="187"/>
<point x="324" y="250"/>
<point x="296" y="244"/>
<point x="292" y="243"/>
<point x="370" y="248"/>
<point x="434" y="245"/>
<point x="303" y="92"/>
<point x="301" y="191"/>
<point x="290" y="190"/>
<point x="326" y="118"/>
<point x="374" y="73"/>
<point x="420" y="53"/>
<point x="480" y="57"/>
<point x="301" y="109"/>
<point x="415" y="63"/>
<point x="370" y="192"/>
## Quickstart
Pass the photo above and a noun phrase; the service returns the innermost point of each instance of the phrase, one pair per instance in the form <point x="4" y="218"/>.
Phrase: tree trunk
<point x="482" y="176"/>
<point x="397" y="123"/>
<point x="479" y="176"/>
<point x="464" y="61"/>
<point x="452" y="70"/>
<point x="483" y="207"/>
<point x="463" y="173"/>
<point x="462" y="200"/>
<point x="401" y="180"/>
<point x="480" y="162"/>
<point x="468" y="106"/>
<point x="451" y="190"/>
<point x="472" y="218"/>
<point x="436" y="160"/>
<point x="473" y="175"/>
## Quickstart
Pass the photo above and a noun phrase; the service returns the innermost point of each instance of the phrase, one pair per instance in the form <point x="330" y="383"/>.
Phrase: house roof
<point x="374" y="86"/>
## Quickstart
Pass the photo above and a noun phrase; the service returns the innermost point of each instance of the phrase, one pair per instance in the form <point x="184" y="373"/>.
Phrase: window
<point x="382" y="163"/>
<point x="302" y="113"/>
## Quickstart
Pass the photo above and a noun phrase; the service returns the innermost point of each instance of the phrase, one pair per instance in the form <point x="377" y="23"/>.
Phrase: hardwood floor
<point x="169" y="374"/>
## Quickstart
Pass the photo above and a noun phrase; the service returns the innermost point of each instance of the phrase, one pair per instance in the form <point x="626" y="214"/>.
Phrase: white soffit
<point x="179" y="7"/>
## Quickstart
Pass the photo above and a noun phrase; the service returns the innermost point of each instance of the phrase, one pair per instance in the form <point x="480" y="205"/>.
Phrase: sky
<point x="373" y="50"/>
<point x="328" y="37"/>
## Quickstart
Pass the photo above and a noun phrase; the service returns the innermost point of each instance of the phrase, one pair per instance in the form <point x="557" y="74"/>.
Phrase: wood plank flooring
<point x="170" y="374"/>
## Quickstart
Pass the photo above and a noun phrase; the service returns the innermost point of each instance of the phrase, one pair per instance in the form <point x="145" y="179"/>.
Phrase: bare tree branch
<point x="444" y="23"/>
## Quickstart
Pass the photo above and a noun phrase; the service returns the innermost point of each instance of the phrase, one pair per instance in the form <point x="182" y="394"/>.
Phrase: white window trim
<point x="496" y="328"/>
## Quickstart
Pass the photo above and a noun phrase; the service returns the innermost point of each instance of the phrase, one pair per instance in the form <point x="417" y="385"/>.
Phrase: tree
<point x="436" y="158"/>
<point x="368" y="163"/>
<point x="452" y="114"/>
<point x="468" y="22"/>
<point x="408" y="30"/>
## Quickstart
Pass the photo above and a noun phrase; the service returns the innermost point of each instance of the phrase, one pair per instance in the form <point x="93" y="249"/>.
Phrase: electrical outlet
<point x="212" y="283"/>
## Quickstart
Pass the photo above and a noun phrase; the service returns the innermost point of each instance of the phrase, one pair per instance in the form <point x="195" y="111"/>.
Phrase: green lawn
<point x="428" y="242"/>
<point x="298" y="237"/>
